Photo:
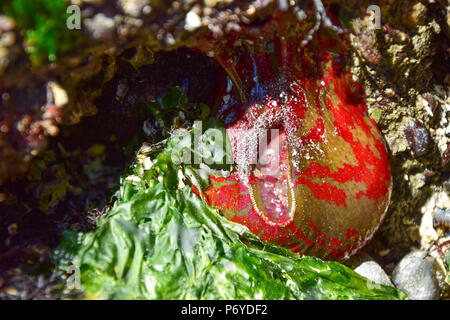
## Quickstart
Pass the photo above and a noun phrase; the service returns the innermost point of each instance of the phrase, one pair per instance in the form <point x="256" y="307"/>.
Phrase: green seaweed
<point x="44" y="23"/>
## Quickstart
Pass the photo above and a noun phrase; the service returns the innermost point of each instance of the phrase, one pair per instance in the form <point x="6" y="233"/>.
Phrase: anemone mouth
<point x="271" y="192"/>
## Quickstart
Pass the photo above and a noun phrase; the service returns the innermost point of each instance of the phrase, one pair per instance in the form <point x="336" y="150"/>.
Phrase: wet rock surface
<point x="415" y="275"/>
<point x="411" y="107"/>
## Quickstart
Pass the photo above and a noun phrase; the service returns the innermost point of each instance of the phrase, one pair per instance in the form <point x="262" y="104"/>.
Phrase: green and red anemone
<point x="329" y="190"/>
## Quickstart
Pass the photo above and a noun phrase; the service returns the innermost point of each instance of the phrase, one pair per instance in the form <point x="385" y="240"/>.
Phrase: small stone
<point x="56" y="94"/>
<point x="122" y="90"/>
<point x="6" y="23"/>
<point x="7" y="39"/>
<point x="134" y="8"/>
<point x="372" y="271"/>
<point x="423" y="103"/>
<point x="418" y="138"/>
<point x="389" y="92"/>
<point x="192" y="21"/>
<point x="415" y="275"/>
<point x="101" y="27"/>
<point x="147" y="10"/>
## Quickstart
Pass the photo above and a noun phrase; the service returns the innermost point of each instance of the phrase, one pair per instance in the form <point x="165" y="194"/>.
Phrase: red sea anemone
<point x="327" y="192"/>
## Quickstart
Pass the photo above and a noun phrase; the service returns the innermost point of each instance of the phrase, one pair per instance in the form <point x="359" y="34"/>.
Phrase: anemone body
<point x="325" y="182"/>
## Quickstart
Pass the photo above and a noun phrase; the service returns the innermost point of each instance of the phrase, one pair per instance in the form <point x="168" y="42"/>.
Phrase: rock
<point x="192" y="21"/>
<point x="372" y="271"/>
<point x="56" y="94"/>
<point x="101" y="27"/>
<point x="417" y="137"/>
<point x="415" y="275"/>
<point x="6" y="23"/>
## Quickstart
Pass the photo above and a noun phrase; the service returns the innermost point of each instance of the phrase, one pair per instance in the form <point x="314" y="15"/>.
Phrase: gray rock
<point x="415" y="275"/>
<point x="372" y="271"/>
